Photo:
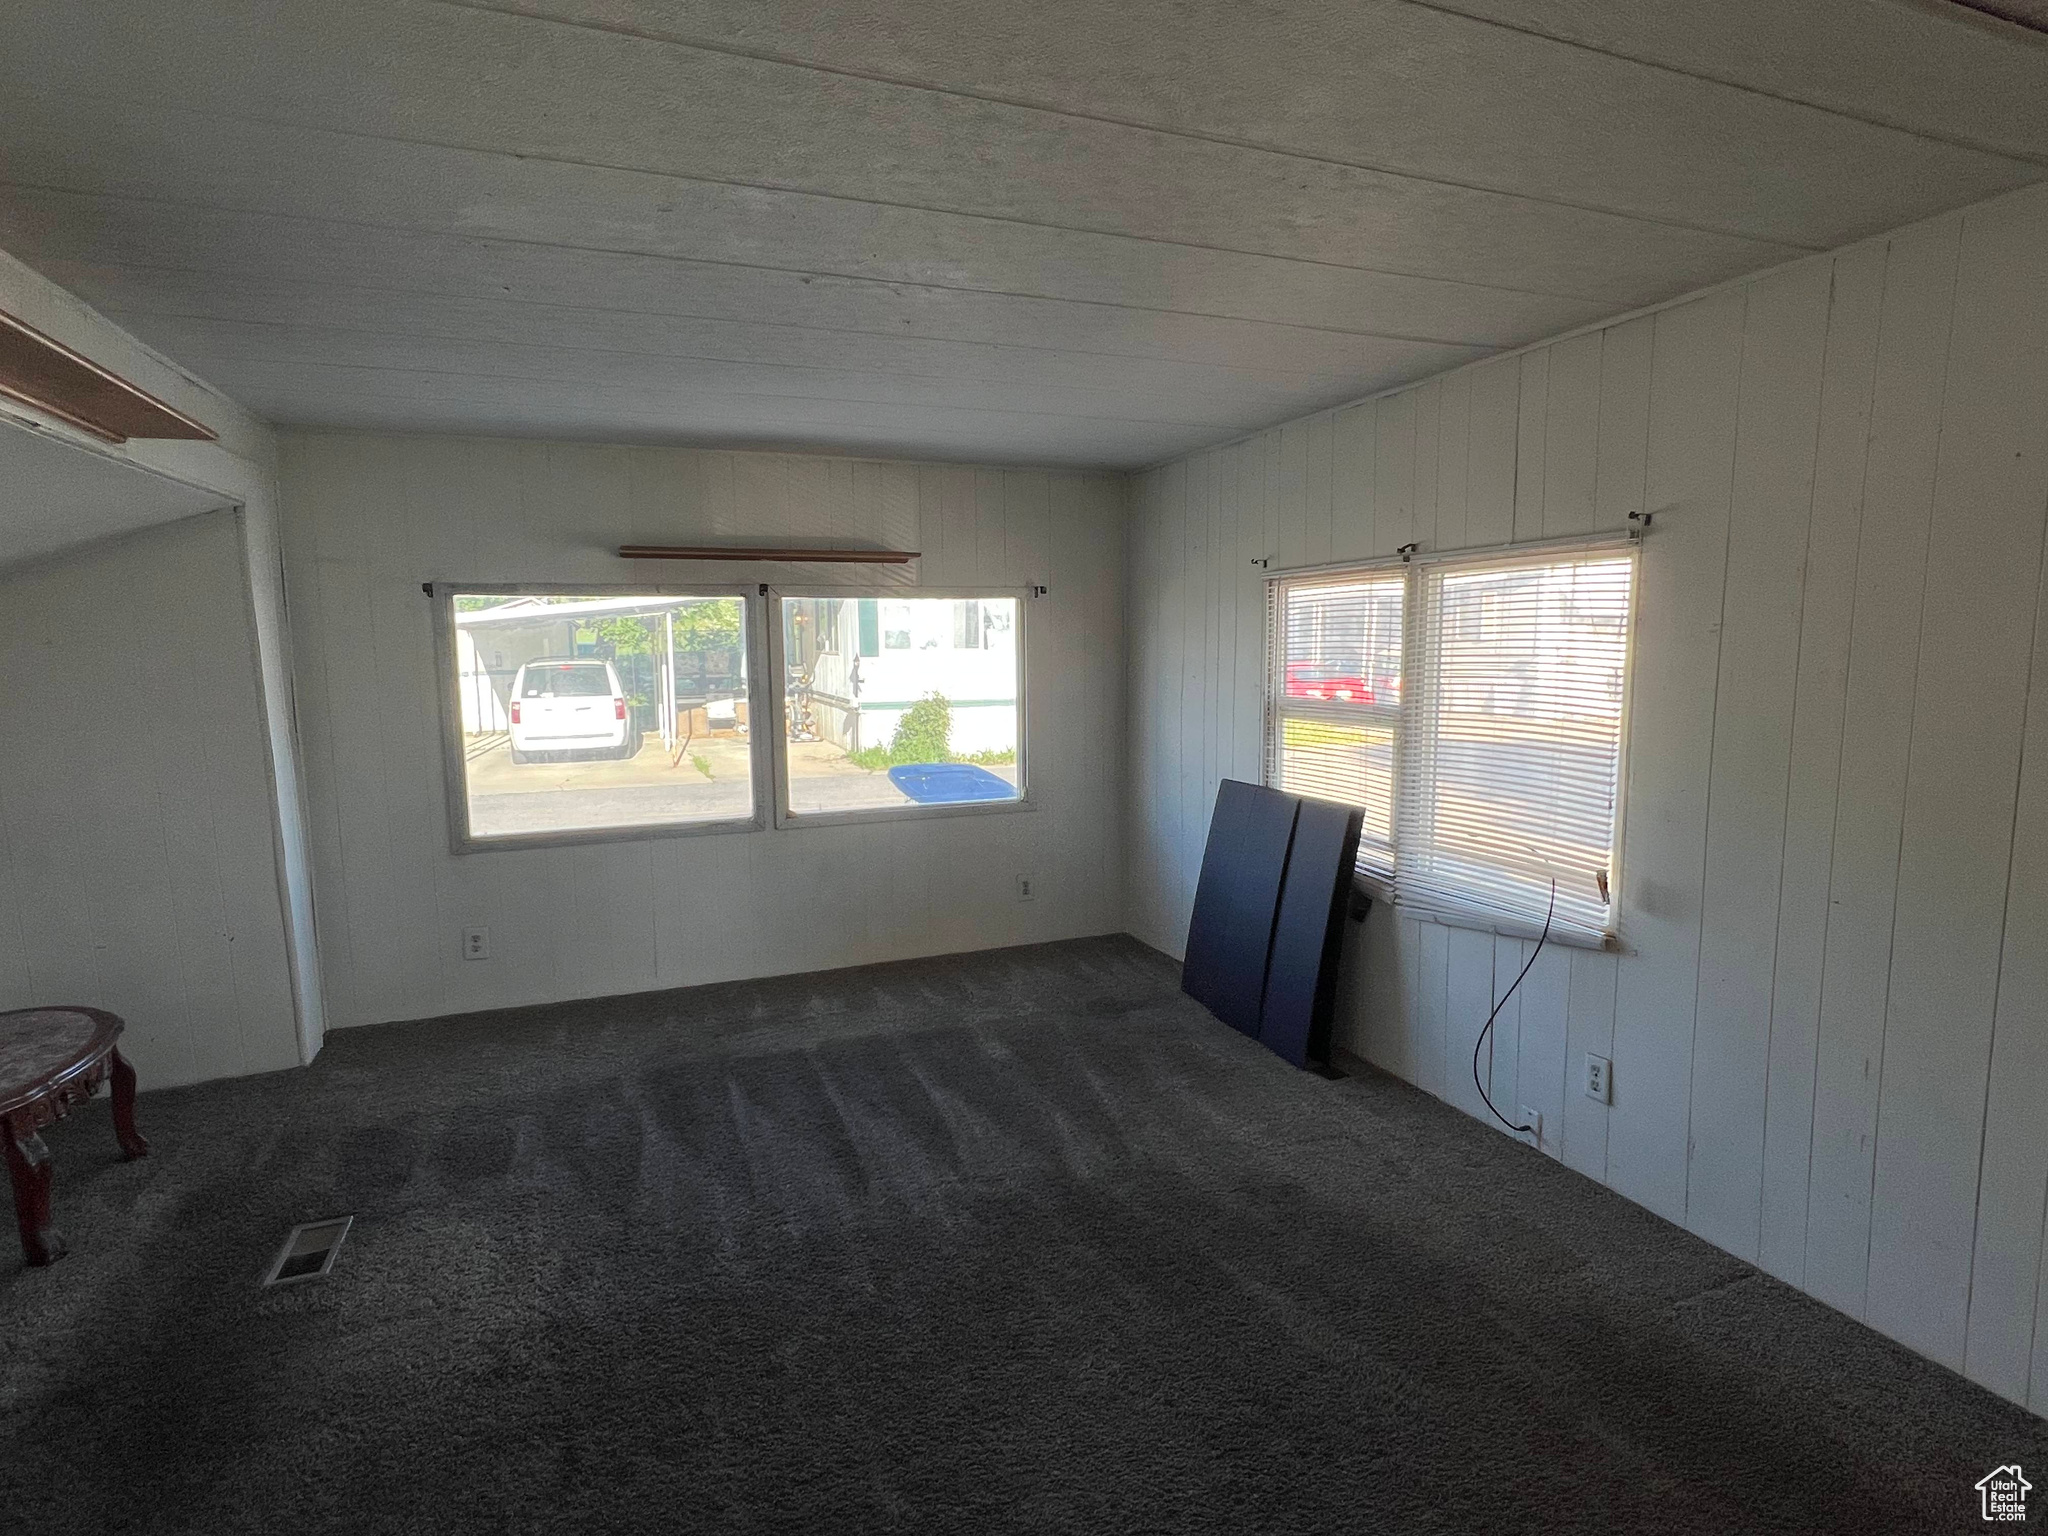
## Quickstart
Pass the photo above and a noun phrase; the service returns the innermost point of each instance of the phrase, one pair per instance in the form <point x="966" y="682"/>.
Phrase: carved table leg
<point x="131" y="1140"/>
<point x="28" y="1161"/>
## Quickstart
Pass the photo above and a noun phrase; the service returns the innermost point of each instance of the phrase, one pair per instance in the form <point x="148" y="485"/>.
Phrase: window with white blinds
<point x="1513" y="770"/>
<point x="1335" y="718"/>
<point x="1477" y="717"/>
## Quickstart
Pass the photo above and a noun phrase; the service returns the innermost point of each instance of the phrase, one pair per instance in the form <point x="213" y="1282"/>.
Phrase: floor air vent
<point x="309" y="1251"/>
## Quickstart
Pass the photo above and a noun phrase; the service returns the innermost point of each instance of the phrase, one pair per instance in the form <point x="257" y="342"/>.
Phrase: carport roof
<point x="527" y="609"/>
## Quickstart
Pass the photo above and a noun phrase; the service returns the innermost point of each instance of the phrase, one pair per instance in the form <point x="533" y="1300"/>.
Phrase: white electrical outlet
<point x="1027" y="888"/>
<point x="476" y="943"/>
<point x="1533" y="1119"/>
<point x="1599" y="1078"/>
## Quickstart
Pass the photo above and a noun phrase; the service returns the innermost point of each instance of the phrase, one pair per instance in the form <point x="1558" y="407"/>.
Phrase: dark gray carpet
<point x="1020" y="1241"/>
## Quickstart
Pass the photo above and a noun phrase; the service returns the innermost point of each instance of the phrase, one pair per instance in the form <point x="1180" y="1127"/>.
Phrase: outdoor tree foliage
<point x="713" y="625"/>
<point x="709" y="624"/>
<point x="925" y="733"/>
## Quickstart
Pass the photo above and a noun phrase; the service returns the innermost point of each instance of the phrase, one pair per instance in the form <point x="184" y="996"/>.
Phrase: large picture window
<point x="931" y="716"/>
<point x="1475" y="708"/>
<point x="581" y="714"/>
<point x="589" y="714"/>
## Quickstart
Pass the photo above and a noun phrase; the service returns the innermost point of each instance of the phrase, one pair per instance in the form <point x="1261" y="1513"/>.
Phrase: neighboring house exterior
<point x="870" y="658"/>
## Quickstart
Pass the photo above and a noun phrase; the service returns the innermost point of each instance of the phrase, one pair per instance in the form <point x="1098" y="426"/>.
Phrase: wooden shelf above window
<point x="798" y="556"/>
<point x="44" y="373"/>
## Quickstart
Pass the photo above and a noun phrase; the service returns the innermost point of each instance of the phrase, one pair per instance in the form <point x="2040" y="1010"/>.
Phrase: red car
<point x="1317" y="680"/>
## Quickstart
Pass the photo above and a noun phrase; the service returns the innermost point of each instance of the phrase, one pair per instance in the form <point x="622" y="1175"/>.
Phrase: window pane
<point x="584" y="713"/>
<point x="896" y="626"/>
<point x="1343" y="641"/>
<point x="931" y="719"/>
<point x="1337" y="696"/>
<point x="1350" y="762"/>
<point x="1516" y="751"/>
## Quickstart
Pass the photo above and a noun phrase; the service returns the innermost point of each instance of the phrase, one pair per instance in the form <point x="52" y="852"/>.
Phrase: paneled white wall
<point x="1829" y="1024"/>
<point x="238" y="469"/>
<point x="368" y="518"/>
<point x="138" y="866"/>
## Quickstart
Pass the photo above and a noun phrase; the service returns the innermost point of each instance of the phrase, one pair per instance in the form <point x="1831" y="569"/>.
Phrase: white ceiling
<point x="1059" y="231"/>
<point x="54" y="495"/>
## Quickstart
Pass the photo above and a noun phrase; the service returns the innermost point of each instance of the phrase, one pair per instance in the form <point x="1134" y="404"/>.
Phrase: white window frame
<point x="1386" y="884"/>
<point x="454" y="774"/>
<point x="769" y="760"/>
<point x="774" y="678"/>
<point x="1281" y="706"/>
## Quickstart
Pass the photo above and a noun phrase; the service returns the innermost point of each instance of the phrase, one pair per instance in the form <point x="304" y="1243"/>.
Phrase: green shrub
<point x="925" y="733"/>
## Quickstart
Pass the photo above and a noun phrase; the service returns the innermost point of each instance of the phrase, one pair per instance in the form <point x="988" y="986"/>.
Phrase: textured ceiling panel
<point x="1064" y="232"/>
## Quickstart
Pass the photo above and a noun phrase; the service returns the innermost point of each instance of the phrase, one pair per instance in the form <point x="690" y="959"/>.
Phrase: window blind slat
<point x="1333" y="728"/>
<point x="1511" y="777"/>
<point x="1474" y="710"/>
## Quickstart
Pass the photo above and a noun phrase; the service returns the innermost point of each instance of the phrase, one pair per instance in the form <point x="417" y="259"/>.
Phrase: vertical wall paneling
<point x="1453" y="467"/>
<point x="2019" y="1068"/>
<point x="1490" y="453"/>
<point x="1877" y="721"/>
<point x="369" y="517"/>
<point x="1828" y="1018"/>
<point x="1356" y="445"/>
<point x="1589" y="1031"/>
<point x="1291" y="493"/>
<point x="1372" y="1000"/>
<point x="1318" y="449"/>
<point x="1620" y="476"/>
<point x="1784" y="336"/>
<point x="2006" y="1275"/>
<point x="1828" y="590"/>
<point x="1504" y="1047"/>
<point x="1248" y="471"/>
<point x="1532" y="438"/>
<point x="1394" y="475"/>
<point x="139" y="864"/>
<point x="1428" y="454"/>
<point x="1432" y="979"/>
<point x="1545" y="999"/>
<point x="1190" y="497"/>
<point x="1976" y="641"/>
<point x="1571" y="436"/>
<point x="1468" y="998"/>
<point x="1693" y="396"/>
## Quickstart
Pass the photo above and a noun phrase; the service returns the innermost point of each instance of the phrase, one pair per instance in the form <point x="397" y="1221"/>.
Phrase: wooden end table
<point x="51" y="1059"/>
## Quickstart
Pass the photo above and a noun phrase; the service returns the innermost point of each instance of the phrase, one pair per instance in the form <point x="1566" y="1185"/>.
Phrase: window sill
<point x="1508" y="927"/>
<point x="461" y="842"/>
<point x="789" y="820"/>
<point x="1381" y="890"/>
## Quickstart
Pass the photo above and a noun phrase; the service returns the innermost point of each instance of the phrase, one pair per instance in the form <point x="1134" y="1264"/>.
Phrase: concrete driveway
<point x="582" y="794"/>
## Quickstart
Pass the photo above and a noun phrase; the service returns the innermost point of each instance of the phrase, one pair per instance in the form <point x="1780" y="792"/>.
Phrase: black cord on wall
<point x="1480" y="1044"/>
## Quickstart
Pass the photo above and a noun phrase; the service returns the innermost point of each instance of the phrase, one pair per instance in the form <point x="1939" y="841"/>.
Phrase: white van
<point x="570" y="704"/>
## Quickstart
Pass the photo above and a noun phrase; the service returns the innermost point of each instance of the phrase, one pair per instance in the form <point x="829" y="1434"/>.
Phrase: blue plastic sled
<point x="949" y="783"/>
